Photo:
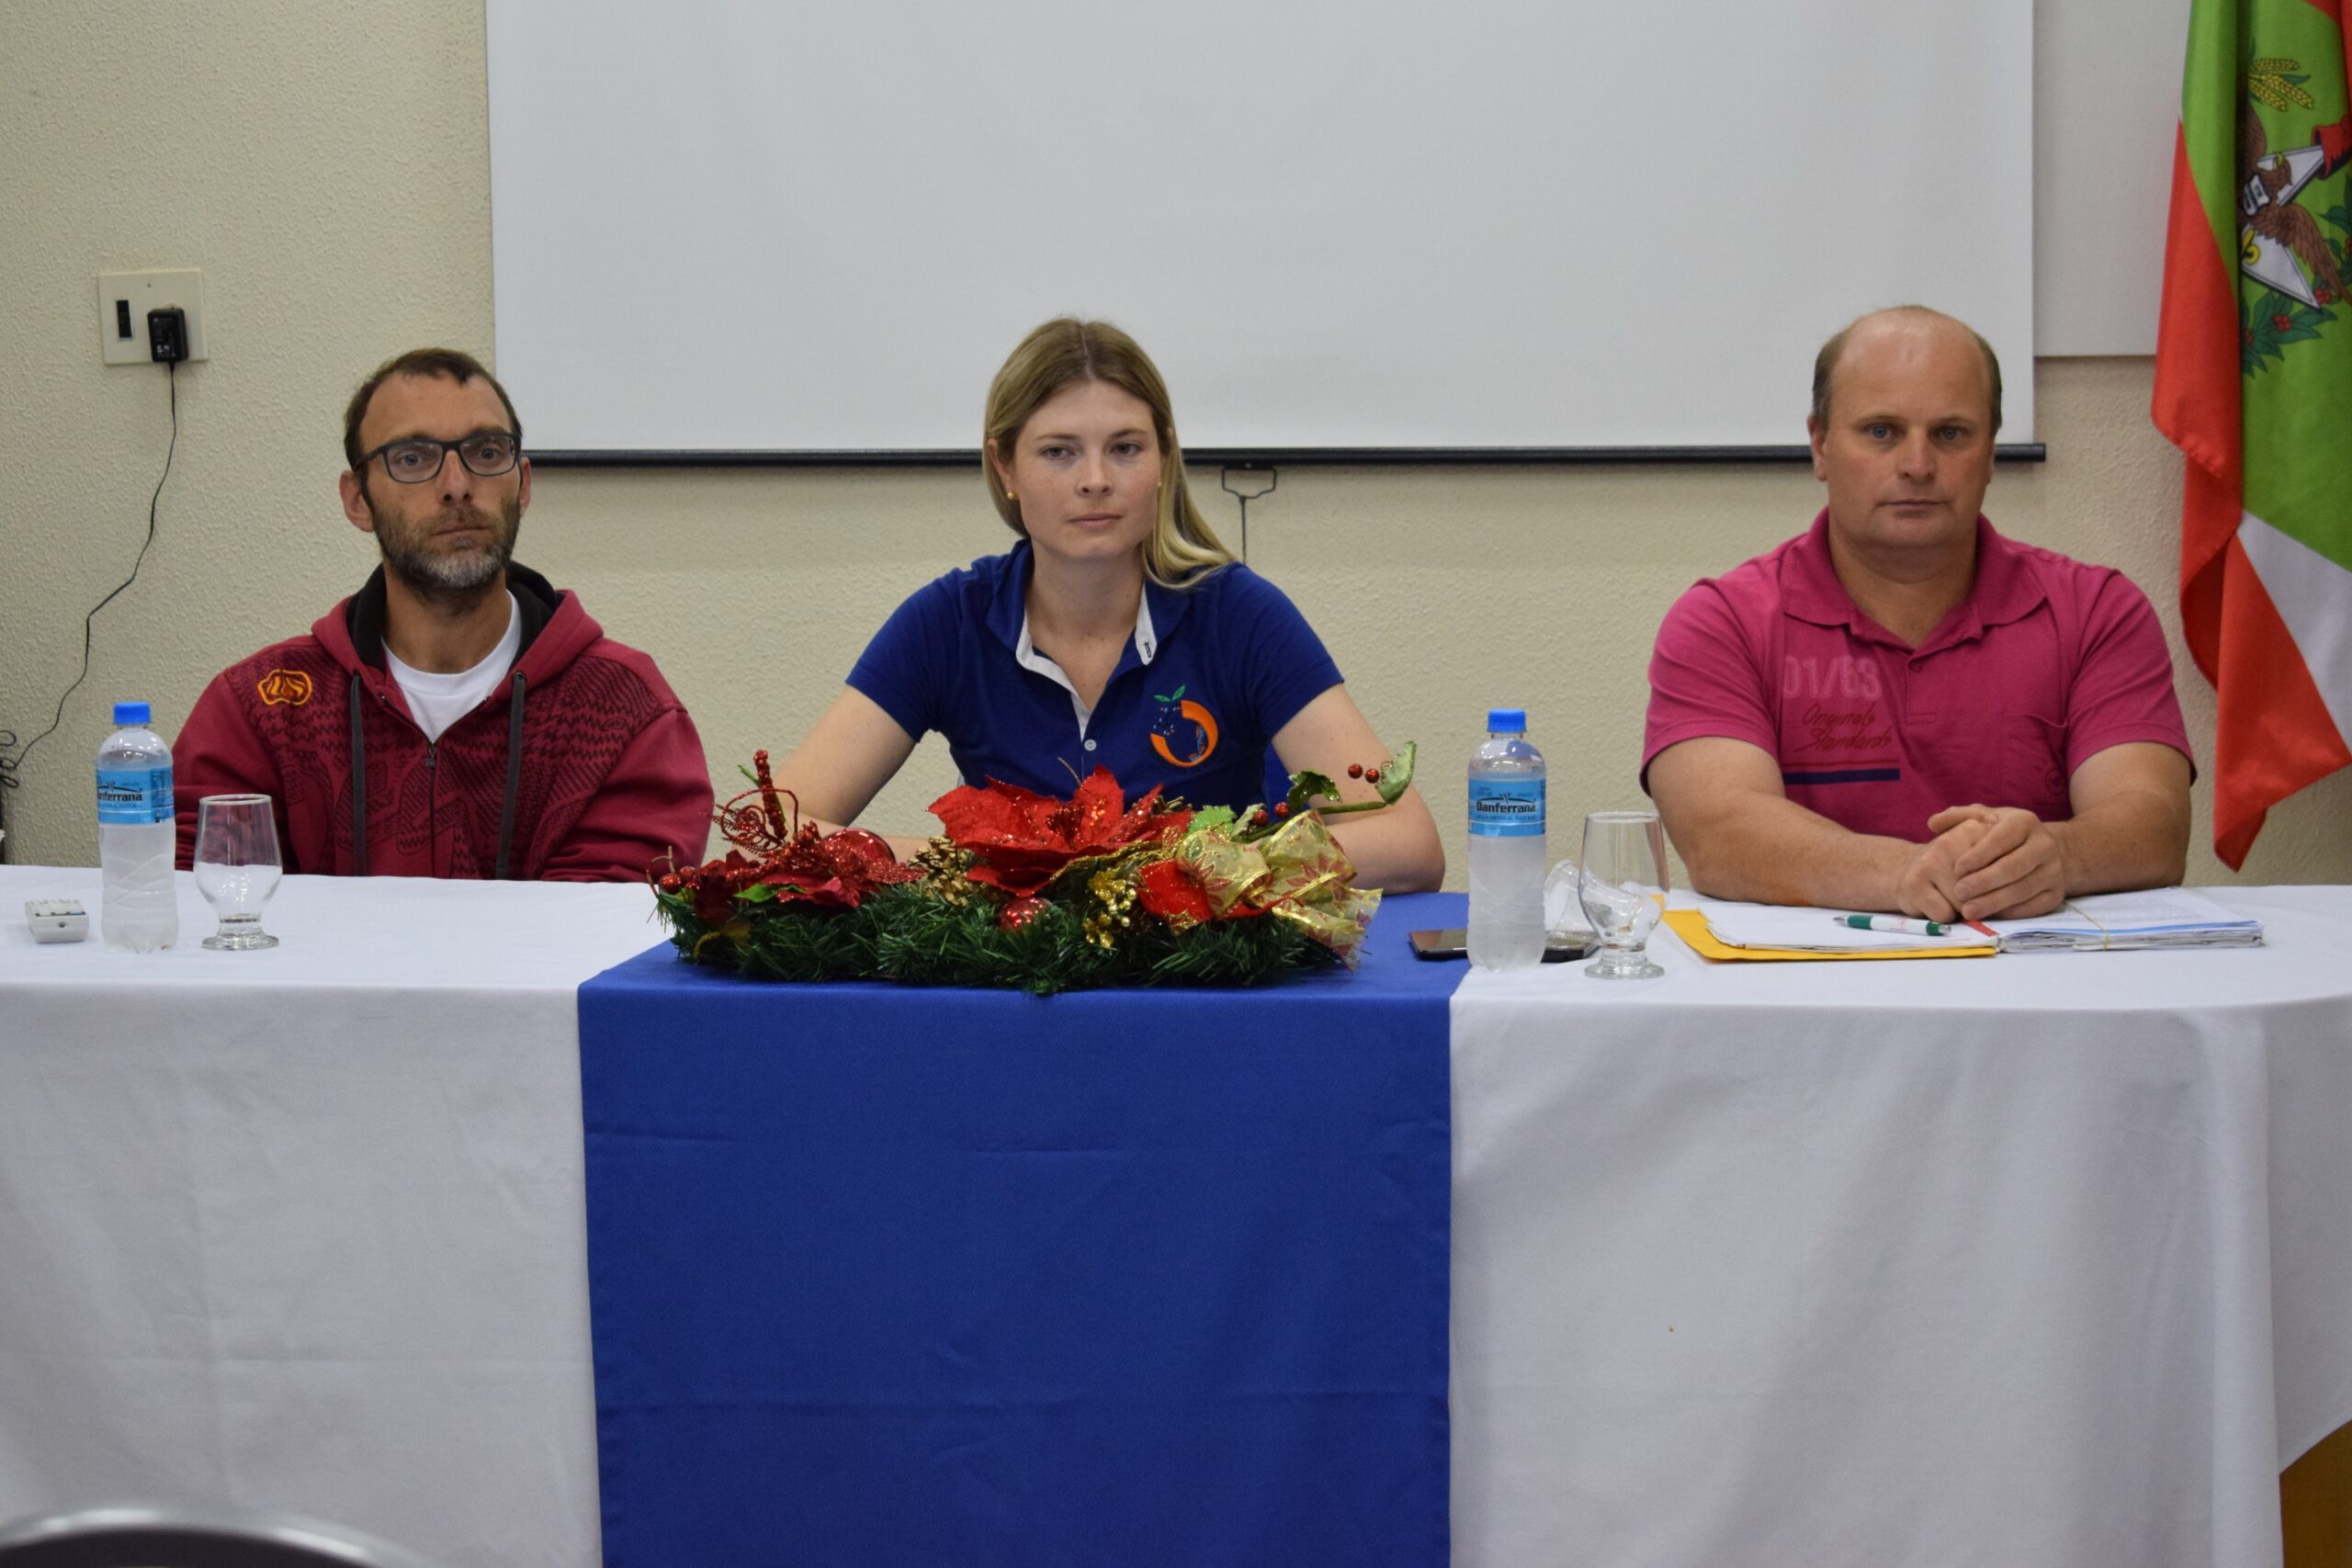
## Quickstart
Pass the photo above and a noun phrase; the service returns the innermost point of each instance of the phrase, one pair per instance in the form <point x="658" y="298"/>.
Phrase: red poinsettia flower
<point x="1020" y="840"/>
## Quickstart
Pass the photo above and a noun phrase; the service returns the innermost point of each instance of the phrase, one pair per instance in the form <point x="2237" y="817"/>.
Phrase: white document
<point x="2164" y="916"/>
<point x="1810" y="930"/>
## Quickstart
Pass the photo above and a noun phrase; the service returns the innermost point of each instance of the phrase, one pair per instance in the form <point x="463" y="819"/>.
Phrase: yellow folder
<point x="1692" y="927"/>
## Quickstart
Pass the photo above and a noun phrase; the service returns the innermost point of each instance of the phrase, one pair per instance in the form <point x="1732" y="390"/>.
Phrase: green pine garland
<point x="910" y="935"/>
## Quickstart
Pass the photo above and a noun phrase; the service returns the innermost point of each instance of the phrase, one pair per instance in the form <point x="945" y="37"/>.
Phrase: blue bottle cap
<point x="132" y="713"/>
<point x="1507" y="721"/>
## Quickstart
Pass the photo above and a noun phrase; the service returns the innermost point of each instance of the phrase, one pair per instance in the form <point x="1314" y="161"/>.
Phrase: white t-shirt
<point x="440" y="701"/>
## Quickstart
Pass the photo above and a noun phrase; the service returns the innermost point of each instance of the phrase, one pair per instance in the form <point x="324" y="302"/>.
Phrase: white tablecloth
<point x="2039" y="1259"/>
<point x="2043" y="1258"/>
<point x="301" y="1229"/>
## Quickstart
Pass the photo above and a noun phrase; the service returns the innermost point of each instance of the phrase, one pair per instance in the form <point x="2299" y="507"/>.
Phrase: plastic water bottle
<point x="1506" y="846"/>
<point x="139" y="908"/>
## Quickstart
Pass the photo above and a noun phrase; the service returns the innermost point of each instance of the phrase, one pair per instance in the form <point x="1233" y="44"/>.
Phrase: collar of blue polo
<point x="1145" y="644"/>
<point x="1157" y="615"/>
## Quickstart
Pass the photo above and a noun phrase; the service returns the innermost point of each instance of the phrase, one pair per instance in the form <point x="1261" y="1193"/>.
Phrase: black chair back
<point x="137" y="1536"/>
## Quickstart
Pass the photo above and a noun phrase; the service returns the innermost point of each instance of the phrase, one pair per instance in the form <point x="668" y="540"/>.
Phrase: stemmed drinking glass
<point x="1622" y="888"/>
<point x="236" y="866"/>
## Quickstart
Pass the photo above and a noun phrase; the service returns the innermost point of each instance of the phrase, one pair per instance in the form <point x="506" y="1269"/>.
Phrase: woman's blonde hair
<point x="1063" y="353"/>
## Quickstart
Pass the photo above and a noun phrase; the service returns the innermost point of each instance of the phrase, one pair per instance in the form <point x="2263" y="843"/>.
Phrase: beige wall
<point x="326" y="165"/>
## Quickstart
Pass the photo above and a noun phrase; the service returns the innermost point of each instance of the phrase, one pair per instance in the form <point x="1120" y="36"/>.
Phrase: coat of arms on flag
<point x="2254" y="384"/>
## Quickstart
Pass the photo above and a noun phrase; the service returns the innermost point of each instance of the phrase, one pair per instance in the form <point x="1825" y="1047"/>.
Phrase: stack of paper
<point x="1783" y="929"/>
<point x="2168" y="917"/>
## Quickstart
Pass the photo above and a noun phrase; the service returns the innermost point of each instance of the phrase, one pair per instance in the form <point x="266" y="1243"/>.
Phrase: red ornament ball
<point x="1018" y="914"/>
<point x="1355" y="770"/>
<point x="1259" y="818"/>
<point x="1282" y="808"/>
<point x="1372" y="775"/>
<point x="670" y="883"/>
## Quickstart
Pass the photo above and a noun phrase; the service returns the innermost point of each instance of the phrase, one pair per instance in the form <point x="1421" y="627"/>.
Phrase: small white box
<point x="57" y="919"/>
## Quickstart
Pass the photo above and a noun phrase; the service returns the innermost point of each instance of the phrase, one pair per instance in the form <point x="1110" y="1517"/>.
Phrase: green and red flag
<point x="2254" y="384"/>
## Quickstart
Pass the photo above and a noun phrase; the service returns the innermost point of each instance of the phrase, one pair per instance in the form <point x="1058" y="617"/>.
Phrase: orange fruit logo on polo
<point x="1182" y="731"/>
<point x="290" y="687"/>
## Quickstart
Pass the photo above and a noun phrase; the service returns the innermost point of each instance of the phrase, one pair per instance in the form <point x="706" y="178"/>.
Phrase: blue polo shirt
<point x="1212" y="672"/>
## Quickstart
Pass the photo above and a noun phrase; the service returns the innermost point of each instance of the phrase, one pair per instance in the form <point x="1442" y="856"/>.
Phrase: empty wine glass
<point x="236" y="866"/>
<point x="1622" y="888"/>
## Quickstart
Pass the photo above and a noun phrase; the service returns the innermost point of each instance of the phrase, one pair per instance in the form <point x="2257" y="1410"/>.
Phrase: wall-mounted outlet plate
<point x="124" y="299"/>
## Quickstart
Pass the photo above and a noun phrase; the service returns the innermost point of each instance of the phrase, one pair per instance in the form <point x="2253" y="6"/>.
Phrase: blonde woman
<point x="1119" y="632"/>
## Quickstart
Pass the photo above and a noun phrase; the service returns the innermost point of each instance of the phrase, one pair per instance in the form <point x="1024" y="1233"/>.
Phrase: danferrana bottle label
<point x="1507" y="809"/>
<point x="134" y="795"/>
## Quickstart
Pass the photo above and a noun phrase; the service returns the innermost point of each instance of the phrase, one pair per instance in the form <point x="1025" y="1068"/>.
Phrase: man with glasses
<point x="457" y="716"/>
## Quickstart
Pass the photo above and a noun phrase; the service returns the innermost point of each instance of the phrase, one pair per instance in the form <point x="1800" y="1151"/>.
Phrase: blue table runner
<point x="883" y="1275"/>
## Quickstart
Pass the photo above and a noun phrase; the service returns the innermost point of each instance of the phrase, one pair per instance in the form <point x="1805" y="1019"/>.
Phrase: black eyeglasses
<point x="487" y="453"/>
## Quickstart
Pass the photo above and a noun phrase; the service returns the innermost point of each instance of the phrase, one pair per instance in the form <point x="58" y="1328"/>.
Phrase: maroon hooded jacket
<point x="583" y="767"/>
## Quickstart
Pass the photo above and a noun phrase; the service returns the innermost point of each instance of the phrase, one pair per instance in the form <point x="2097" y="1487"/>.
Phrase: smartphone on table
<point x="1455" y="943"/>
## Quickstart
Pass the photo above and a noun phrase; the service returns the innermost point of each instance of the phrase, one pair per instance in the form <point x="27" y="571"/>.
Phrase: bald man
<point x="1900" y="710"/>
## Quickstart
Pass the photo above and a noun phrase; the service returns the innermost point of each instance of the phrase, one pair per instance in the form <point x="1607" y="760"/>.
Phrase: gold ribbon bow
<point x="1297" y="875"/>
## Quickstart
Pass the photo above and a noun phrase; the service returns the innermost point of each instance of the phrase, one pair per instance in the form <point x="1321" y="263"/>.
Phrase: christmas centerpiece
<point x="1031" y="891"/>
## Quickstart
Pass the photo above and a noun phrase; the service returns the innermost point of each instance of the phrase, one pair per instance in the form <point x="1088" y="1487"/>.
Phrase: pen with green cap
<point x="1891" y="923"/>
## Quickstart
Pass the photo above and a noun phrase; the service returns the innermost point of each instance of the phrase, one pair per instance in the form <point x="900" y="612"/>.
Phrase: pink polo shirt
<point x="2047" y="661"/>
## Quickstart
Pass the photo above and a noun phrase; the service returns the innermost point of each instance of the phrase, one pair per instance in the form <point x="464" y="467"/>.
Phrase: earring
<point x="1010" y="496"/>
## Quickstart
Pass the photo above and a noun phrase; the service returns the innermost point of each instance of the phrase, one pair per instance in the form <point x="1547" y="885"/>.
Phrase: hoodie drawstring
<point x="359" y="784"/>
<point x="513" y="772"/>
